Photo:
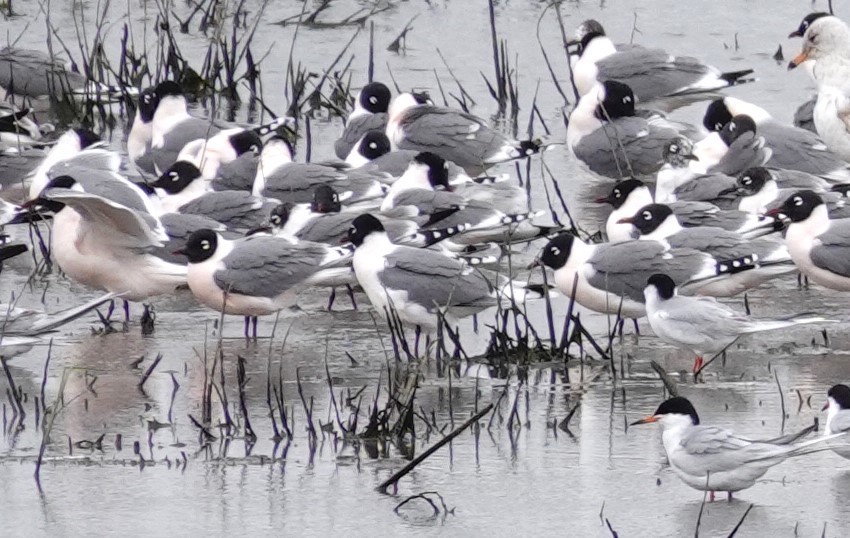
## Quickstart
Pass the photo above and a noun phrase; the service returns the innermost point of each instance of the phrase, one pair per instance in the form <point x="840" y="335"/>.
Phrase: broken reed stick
<point x="422" y="457"/>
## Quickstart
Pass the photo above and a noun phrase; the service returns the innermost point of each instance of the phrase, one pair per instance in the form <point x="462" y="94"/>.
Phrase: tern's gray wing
<point x="178" y="136"/>
<point x="747" y="151"/>
<point x="642" y="141"/>
<point x="355" y="130"/>
<point x="711" y="440"/>
<point x="434" y="280"/>
<point x="799" y="149"/>
<point x="832" y="248"/>
<point x="455" y="136"/>
<point x="268" y="266"/>
<point x="35" y="74"/>
<point x="804" y="115"/>
<point x="295" y="182"/>
<point x="707" y="188"/>
<point x="237" y="175"/>
<point x="623" y="268"/>
<point x="238" y="210"/>
<point x="701" y="322"/>
<point x="652" y="73"/>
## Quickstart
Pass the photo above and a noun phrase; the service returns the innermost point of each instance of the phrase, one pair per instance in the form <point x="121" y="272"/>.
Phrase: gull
<point x="369" y="114"/>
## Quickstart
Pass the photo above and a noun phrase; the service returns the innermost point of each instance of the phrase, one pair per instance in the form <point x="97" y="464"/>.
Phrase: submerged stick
<point x="422" y="457"/>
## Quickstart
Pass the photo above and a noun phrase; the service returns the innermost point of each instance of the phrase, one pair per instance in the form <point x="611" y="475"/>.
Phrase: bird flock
<point x="410" y="214"/>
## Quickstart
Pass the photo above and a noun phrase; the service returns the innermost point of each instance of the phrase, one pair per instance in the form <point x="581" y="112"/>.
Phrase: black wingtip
<point x="11" y="250"/>
<point x="529" y="147"/>
<point x="737" y="77"/>
<point x="737" y="265"/>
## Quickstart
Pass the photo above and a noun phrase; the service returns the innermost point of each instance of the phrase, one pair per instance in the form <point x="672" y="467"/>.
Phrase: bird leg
<point x="148" y="319"/>
<point x="351" y="295"/>
<point x="110" y="310"/>
<point x="254" y="323"/>
<point x="697" y="364"/>
<point x="729" y="496"/>
<point x="637" y="328"/>
<point x="416" y="342"/>
<point x="247" y="326"/>
<point x="711" y="496"/>
<point x="332" y="298"/>
<point x="126" y="311"/>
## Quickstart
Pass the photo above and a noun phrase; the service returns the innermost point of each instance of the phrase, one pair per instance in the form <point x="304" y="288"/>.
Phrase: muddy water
<point x="539" y="479"/>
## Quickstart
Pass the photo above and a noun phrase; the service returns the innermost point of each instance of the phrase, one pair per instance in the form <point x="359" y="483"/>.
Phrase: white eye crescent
<point x="674" y="148"/>
<point x="617" y="193"/>
<point x="747" y="181"/>
<point x="373" y="100"/>
<point x="373" y="145"/>
<point x="555" y="251"/>
<point x="205" y="244"/>
<point x="798" y="201"/>
<point x="174" y="176"/>
<point x="647" y="215"/>
<point x="627" y="99"/>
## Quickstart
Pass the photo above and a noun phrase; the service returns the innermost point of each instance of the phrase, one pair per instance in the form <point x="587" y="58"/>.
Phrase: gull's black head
<point x="556" y="253"/>
<point x="438" y="169"/>
<point x="177" y="177"/>
<point x="753" y="180"/>
<point x="246" y="142"/>
<point x="200" y="246"/>
<point x="620" y="193"/>
<point x="362" y="227"/>
<point x="375" y="97"/>
<point x="279" y="216"/>
<point x="422" y="98"/>
<point x="736" y="127"/>
<point x="373" y="145"/>
<point x="679" y="152"/>
<point x="618" y="102"/>
<point x="649" y="218"/>
<point x="799" y="206"/>
<point x="325" y="200"/>
<point x="806" y="22"/>
<point x="87" y="138"/>
<point x="168" y="88"/>
<point x="841" y="395"/>
<point x="678" y="406"/>
<point x="148" y="101"/>
<point x="717" y="115"/>
<point x="664" y="286"/>
<point x="59" y="182"/>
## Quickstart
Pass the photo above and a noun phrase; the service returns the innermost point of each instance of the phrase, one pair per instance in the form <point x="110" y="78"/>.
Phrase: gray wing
<point x="238" y="210"/>
<point x="652" y="73"/>
<point x="145" y="162"/>
<point x="237" y="175"/>
<point x="328" y="228"/>
<point x="722" y="244"/>
<point x="434" y="280"/>
<point x="16" y="166"/>
<point x="799" y="149"/>
<point x="103" y="183"/>
<point x="711" y="440"/>
<point x="707" y="188"/>
<point x="804" y="115"/>
<point x="355" y="129"/>
<point x="623" y="268"/>
<point x="35" y="74"/>
<point x="832" y="248"/>
<point x="393" y="163"/>
<point x="268" y="266"/>
<point x="455" y="136"/>
<point x="642" y="142"/>
<point x="181" y="134"/>
<point x="795" y="179"/>
<point x="415" y="202"/>
<point x="747" y="151"/>
<point x="295" y="182"/>
<point x="505" y="196"/>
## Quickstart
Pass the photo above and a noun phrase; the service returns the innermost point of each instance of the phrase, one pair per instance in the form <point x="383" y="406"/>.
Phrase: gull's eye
<point x="747" y="181"/>
<point x="798" y="201"/>
<point x="373" y="100"/>
<point x="275" y="220"/>
<point x="627" y="99"/>
<point x="373" y="145"/>
<point x="555" y="251"/>
<point x="335" y="197"/>
<point x="205" y="244"/>
<point x="647" y="215"/>
<point x="718" y="126"/>
<point x="617" y="193"/>
<point x="174" y="176"/>
<point x="674" y="148"/>
<point x="147" y="98"/>
<point x="732" y="126"/>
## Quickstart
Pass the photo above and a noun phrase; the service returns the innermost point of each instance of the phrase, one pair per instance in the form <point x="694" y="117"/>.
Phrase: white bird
<point x="708" y="458"/>
<point x="701" y="324"/>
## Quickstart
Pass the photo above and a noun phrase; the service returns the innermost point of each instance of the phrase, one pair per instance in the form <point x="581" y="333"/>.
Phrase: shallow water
<point x="537" y="480"/>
